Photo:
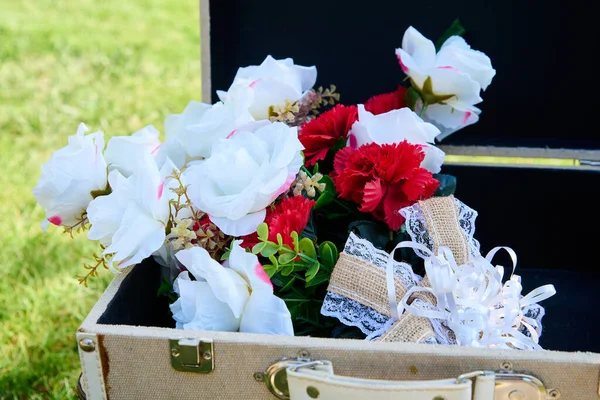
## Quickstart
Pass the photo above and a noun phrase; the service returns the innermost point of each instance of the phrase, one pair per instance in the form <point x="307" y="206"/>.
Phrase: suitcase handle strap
<point x="316" y="380"/>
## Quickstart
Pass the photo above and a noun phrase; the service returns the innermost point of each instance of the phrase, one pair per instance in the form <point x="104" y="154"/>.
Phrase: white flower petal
<point x="421" y="49"/>
<point x="392" y="127"/>
<point x="197" y="308"/>
<point x="266" y="313"/>
<point x="227" y="285"/>
<point x="106" y="212"/>
<point x="240" y="227"/>
<point x="447" y="81"/>
<point x="456" y="53"/>
<point x="447" y="117"/>
<point x="67" y="179"/>
<point x="246" y="264"/>
<point x="138" y="236"/>
<point x="434" y="158"/>
<point x="125" y="152"/>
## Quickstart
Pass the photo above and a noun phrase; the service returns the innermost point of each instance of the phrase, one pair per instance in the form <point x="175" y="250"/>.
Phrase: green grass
<point x="115" y="65"/>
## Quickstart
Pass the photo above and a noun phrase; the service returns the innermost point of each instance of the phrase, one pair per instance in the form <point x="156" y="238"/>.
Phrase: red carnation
<point x="289" y="215"/>
<point x="383" y="103"/>
<point x="323" y="132"/>
<point x="382" y="179"/>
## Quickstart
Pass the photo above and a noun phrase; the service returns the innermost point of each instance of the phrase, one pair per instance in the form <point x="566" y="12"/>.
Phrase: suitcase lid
<point x="540" y="99"/>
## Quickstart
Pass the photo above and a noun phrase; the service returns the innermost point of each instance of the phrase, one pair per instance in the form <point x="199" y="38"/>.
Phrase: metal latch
<point x="192" y="355"/>
<point x="512" y="386"/>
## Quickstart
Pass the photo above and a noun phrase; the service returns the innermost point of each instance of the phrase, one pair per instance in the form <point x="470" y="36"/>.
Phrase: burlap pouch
<point x="358" y="290"/>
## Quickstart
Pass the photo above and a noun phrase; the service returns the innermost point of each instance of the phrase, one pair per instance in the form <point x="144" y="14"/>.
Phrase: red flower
<point x="383" y="103"/>
<point x="323" y="132"/>
<point x="289" y="215"/>
<point x="382" y="179"/>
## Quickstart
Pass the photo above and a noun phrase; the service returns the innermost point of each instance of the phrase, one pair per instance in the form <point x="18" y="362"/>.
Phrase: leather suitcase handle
<point x="316" y="380"/>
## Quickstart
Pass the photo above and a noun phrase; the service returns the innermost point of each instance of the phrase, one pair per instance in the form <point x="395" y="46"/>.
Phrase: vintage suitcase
<point x="530" y="167"/>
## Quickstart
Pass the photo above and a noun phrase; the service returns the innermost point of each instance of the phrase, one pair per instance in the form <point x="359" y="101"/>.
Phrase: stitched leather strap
<point x="91" y="367"/>
<point x="320" y="382"/>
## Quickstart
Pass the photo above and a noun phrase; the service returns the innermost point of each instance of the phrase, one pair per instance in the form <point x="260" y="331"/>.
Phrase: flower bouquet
<point x="274" y="209"/>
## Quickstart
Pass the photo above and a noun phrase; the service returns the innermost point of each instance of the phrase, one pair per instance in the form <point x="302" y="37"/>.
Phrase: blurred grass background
<point x="115" y="65"/>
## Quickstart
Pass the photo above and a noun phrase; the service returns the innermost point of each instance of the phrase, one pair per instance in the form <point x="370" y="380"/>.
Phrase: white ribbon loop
<point x="472" y="299"/>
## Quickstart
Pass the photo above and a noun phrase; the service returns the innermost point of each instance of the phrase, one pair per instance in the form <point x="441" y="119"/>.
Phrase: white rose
<point x="68" y="178"/>
<point x="453" y="78"/>
<point x="132" y="220"/>
<point x="124" y="152"/>
<point x="394" y="127"/>
<point x="235" y="297"/>
<point x="244" y="174"/>
<point x="271" y="83"/>
<point x="190" y="135"/>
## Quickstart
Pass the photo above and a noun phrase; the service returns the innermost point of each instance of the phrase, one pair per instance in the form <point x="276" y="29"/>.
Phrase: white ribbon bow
<point x="471" y="298"/>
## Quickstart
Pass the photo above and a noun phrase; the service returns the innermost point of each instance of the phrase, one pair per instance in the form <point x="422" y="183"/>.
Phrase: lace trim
<point x="353" y="313"/>
<point x="417" y="228"/>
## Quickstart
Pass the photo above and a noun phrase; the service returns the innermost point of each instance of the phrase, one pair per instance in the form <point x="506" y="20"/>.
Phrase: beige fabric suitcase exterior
<point x="134" y="362"/>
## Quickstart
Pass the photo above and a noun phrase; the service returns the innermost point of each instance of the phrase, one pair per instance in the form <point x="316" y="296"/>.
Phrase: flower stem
<point x="423" y="109"/>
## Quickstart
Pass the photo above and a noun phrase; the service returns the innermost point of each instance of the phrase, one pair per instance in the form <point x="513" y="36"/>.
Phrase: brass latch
<point x="192" y="355"/>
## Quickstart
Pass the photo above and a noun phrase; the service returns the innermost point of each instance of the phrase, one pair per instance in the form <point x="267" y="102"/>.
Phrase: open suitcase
<point x="546" y="211"/>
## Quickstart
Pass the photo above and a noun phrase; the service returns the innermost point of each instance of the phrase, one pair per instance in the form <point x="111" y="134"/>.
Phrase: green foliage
<point x="447" y="185"/>
<point x="328" y="196"/>
<point x="411" y="97"/>
<point x="456" y="29"/>
<point x="300" y="274"/>
<point x="111" y="64"/>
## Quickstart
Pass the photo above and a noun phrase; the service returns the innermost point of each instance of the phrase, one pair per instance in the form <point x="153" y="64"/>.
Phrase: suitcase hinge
<point x="192" y="355"/>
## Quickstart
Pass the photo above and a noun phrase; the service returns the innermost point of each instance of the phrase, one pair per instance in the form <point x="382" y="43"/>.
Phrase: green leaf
<point x="279" y="240"/>
<point x="269" y="249"/>
<point x="328" y="194"/>
<point x="456" y="29"/>
<point x="226" y="255"/>
<point x="258" y="247"/>
<point x="321" y="277"/>
<point x="312" y="271"/>
<point x="315" y="168"/>
<point x="263" y="231"/>
<point x="330" y="215"/>
<point x="165" y="287"/>
<point x="287" y="269"/>
<point x="376" y="233"/>
<point x="411" y="97"/>
<point x="329" y="255"/>
<point x="307" y="247"/>
<point x="270" y="269"/>
<point x="447" y="185"/>
<point x="286" y="258"/>
<point x="294" y="236"/>
<point x="288" y="285"/>
<point x="274" y="261"/>
<point x="310" y="230"/>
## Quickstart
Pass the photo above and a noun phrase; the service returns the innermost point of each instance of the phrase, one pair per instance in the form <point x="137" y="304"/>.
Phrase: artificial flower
<point x="244" y="174"/>
<point x="449" y="81"/>
<point x="68" y="179"/>
<point x="237" y="296"/>
<point x="382" y="179"/>
<point x="289" y="215"/>
<point x="395" y="126"/>
<point x="321" y="134"/>
<point x="271" y="83"/>
<point x="124" y="152"/>
<point x="385" y="102"/>
<point x="191" y="135"/>
<point x="131" y="221"/>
